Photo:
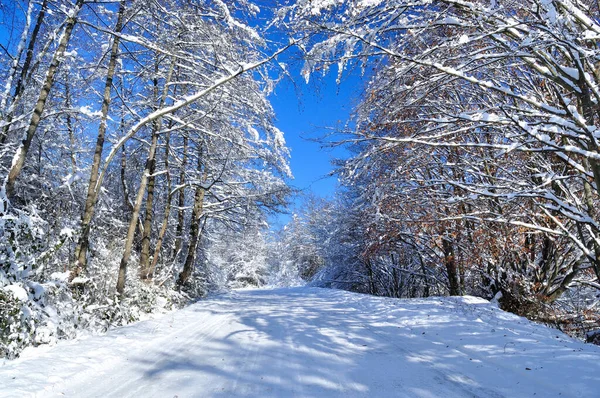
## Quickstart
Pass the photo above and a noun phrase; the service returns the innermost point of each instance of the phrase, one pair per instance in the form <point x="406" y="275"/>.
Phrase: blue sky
<point x="310" y="111"/>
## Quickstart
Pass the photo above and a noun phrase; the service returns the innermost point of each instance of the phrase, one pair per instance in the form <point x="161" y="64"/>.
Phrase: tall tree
<point x="90" y="201"/>
<point x="21" y="153"/>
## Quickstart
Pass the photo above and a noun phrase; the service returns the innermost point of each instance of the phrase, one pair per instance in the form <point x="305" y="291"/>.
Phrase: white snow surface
<point x="311" y="342"/>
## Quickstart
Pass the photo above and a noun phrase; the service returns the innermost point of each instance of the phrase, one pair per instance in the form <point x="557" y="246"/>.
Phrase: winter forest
<point x="141" y="167"/>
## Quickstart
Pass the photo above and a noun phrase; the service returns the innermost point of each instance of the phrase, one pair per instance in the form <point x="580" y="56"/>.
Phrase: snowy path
<point x="307" y="342"/>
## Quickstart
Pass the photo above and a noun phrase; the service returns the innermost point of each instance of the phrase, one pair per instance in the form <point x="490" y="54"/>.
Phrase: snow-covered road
<point x="308" y="342"/>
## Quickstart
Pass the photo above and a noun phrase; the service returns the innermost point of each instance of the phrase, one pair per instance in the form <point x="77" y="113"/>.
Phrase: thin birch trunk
<point x="15" y="63"/>
<point x="181" y="201"/>
<point x="147" y="269"/>
<point x="194" y="236"/>
<point x="20" y="86"/>
<point x="141" y="190"/>
<point x="146" y="233"/>
<point x="21" y="153"/>
<point x="8" y="117"/>
<point x="70" y="129"/>
<point x="126" y="197"/>
<point x="148" y="272"/>
<point x="126" y="200"/>
<point x="90" y="202"/>
<point x="134" y="216"/>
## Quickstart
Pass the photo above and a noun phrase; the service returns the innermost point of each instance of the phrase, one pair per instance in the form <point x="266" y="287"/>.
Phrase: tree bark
<point x="70" y="128"/>
<point x="188" y="266"/>
<point x="134" y="216"/>
<point x="451" y="268"/>
<point x="20" y="86"/>
<point x="21" y="153"/>
<point x="147" y="268"/>
<point x="126" y="200"/>
<point x="181" y="201"/>
<point x="15" y="61"/>
<point x="148" y="273"/>
<point x="141" y="190"/>
<point x="8" y="117"/>
<point x="147" y="231"/>
<point x="91" y="197"/>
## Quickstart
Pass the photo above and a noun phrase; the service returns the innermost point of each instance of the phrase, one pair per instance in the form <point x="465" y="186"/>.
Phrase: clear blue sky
<point x="310" y="111"/>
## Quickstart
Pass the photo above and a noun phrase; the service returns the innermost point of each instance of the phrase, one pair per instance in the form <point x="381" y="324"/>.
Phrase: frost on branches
<point x="476" y="166"/>
<point x="132" y="136"/>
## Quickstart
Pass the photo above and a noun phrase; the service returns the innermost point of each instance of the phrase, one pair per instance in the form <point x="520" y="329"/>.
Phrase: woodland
<point x="141" y="165"/>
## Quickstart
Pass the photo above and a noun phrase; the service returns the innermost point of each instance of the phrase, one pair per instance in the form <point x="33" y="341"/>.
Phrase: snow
<point x="310" y="342"/>
<point x="17" y="291"/>
<point x="38" y="289"/>
<point x="86" y="110"/>
<point x="60" y="276"/>
<point x="70" y="54"/>
<point x="572" y="72"/>
<point x="278" y="137"/>
<point x="368" y="3"/>
<point x="68" y="232"/>
<point x="253" y="133"/>
<point x="449" y="21"/>
<point x="317" y="6"/>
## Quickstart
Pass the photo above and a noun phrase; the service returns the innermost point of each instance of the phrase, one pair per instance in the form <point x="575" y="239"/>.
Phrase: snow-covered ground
<point x="309" y="342"/>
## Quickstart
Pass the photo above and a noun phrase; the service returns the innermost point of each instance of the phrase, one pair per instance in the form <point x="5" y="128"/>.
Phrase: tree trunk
<point x="20" y="86"/>
<point x="126" y="200"/>
<point x="451" y="268"/>
<point x="70" y="128"/>
<point x="149" y="271"/>
<point x="188" y="266"/>
<point x="83" y="242"/>
<point x="372" y="288"/>
<point x="426" y="291"/>
<point x="141" y="190"/>
<point x="128" y="204"/>
<point x="134" y="216"/>
<point x="181" y="201"/>
<point x="147" y="231"/>
<point x="147" y="268"/>
<point x="21" y="153"/>
<point x="15" y="62"/>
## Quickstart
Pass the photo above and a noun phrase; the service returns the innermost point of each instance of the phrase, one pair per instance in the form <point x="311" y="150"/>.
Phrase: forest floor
<point x="309" y="342"/>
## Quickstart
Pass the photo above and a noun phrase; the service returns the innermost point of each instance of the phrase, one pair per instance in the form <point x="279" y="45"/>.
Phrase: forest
<point x="141" y="166"/>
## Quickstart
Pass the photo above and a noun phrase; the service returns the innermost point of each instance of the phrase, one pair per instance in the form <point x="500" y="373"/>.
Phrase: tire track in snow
<point x="123" y="385"/>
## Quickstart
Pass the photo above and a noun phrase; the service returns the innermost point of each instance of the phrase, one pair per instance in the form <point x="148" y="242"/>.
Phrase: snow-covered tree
<point x="127" y="129"/>
<point x="476" y="136"/>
